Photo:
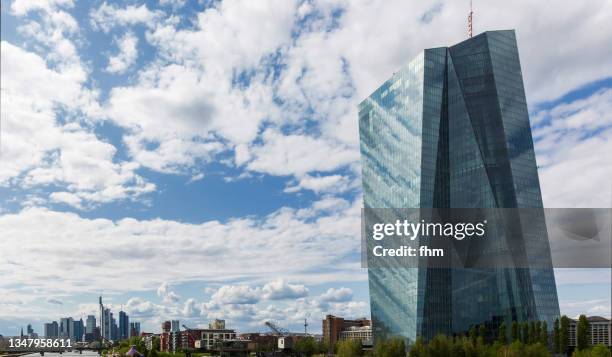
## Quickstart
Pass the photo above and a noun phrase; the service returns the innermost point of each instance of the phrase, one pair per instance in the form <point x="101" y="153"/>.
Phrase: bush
<point x="596" y="351"/>
<point x="393" y="347"/>
<point x="349" y="348"/>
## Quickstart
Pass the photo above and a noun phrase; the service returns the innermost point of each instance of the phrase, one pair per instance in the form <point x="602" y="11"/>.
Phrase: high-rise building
<point x="134" y="329"/>
<point x="51" y="329"/>
<point x="66" y="327"/>
<point x="90" y="324"/>
<point x="78" y="330"/>
<point x="451" y="130"/>
<point x="105" y="321"/>
<point x="114" y="330"/>
<point x="124" y="326"/>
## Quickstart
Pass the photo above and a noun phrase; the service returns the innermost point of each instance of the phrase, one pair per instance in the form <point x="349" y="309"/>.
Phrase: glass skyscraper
<point x="451" y="129"/>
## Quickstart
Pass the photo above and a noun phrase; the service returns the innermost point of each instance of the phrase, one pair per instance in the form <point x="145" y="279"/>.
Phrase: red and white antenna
<point x="470" y="23"/>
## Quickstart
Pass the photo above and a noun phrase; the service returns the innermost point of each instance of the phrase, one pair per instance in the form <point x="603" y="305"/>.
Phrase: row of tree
<point x="523" y="339"/>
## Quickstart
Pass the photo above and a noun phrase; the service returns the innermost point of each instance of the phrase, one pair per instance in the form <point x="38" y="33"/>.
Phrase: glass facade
<point x="451" y="130"/>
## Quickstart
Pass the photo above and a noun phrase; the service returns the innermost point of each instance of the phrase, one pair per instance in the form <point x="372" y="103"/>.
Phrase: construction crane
<point x="277" y="329"/>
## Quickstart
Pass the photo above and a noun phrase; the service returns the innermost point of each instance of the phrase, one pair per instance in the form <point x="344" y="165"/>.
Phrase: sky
<point x="195" y="160"/>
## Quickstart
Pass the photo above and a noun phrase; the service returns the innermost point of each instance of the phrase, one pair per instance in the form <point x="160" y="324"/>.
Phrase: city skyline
<point x="147" y="161"/>
<point x="88" y="331"/>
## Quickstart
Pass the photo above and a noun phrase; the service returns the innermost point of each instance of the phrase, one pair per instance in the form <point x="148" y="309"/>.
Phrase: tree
<point x="393" y="347"/>
<point x="482" y="331"/>
<point x="556" y="337"/>
<point x="418" y="349"/>
<point x="600" y="351"/>
<point x="515" y="349"/>
<point x="502" y="338"/>
<point x="582" y="333"/>
<point x="544" y="334"/>
<point x="525" y="332"/>
<point x="307" y="346"/>
<point x="516" y="336"/>
<point x="473" y="335"/>
<point x="458" y="348"/>
<point x="439" y="346"/>
<point x="564" y="334"/>
<point x="531" y="337"/>
<point x="536" y="350"/>
<point x="349" y="348"/>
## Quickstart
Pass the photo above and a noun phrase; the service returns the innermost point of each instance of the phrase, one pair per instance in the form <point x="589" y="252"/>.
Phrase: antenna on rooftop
<point x="470" y="22"/>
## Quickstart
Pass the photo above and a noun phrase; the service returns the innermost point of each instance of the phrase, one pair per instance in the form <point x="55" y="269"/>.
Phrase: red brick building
<point x="333" y="326"/>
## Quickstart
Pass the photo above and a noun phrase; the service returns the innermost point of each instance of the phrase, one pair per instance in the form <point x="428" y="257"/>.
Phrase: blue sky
<point x="199" y="159"/>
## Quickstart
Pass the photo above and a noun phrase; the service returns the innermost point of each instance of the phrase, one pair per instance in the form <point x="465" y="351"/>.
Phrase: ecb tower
<point x="450" y="129"/>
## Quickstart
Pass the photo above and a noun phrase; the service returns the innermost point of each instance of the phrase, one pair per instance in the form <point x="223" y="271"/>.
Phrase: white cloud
<point x="22" y="7"/>
<point x="67" y="198"/>
<point x="331" y="183"/>
<point x="337" y="295"/>
<point x="250" y="306"/>
<point x="298" y="154"/>
<point x="280" y="289"/>
<point x="37" y="150"/>
<point x="302" y="244"/>
<point x="573" y="142"/>
<point x="108" y="16"/>
<point x="168" y="296"/>
<point x="589" y="307"/>
<point x="127" y="55"/>
<point x="175" y="4"/>
<point x="235" y="294"/>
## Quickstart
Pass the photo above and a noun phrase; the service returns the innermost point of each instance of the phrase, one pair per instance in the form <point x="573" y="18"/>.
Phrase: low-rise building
<point x="600" y="331"/>
<point x="333" y="326"/>
<point x="361" y="333"/>
<point x="209" y="338"/>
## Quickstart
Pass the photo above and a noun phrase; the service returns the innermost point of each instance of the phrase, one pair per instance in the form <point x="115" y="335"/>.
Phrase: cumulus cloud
<point x="194" y="251"/>
<point x="298" y="154"/>
<point x="167" y="295"/>
<point x="575" y="308"/>
<point x="576" y="137"/>
<point x="38" y="149"/>
<point x="250" y="306"/>
<point x="319" y="184"/>
<point x="108" y="16"/>
<point x="280" y="289"/>
<point x="127" y="55"/>
<point x="236" y="294"/>
<point x="337" y="295"/>
<point x="22" y="7"/>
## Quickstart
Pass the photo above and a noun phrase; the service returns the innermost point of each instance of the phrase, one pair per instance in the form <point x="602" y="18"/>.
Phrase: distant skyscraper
<point x="90" y="324"/>
<point x="30" y="330"/>
<point x="105" y="321"/>
<point x="66" y="327"/>
<point x="451" y="130"/>
<point x="78" y="330"/>
<point x="124" y="326"/>
<point x="114" y="331"/>
<point x="51" y="329"/>
<point x="134" y="329"/>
